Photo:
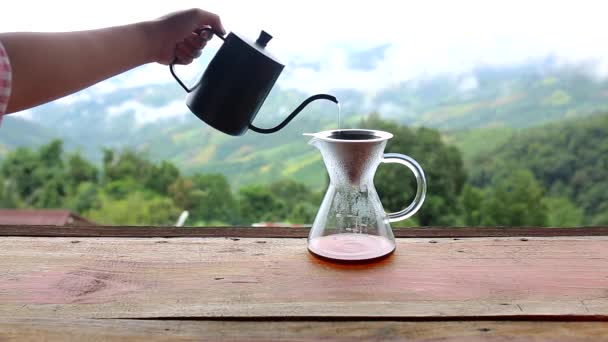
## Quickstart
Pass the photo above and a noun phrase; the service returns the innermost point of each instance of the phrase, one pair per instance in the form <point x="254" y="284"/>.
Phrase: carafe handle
<point x="199" y="32"/>
<point x="396" y="158"/>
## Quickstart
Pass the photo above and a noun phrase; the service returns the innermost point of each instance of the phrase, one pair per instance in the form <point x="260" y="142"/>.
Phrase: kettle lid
<point x="260" y="44"/>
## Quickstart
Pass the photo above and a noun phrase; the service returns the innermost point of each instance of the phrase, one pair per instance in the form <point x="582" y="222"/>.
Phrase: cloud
<point x="144" y="114"/>
<point x="79" y="96"/>
<point x="24" y="114"/>
<point x="468" y="83"/>
<point x="315" y="39"/>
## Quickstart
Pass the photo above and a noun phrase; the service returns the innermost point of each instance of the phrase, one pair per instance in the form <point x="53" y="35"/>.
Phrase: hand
<point x="173" y="36"/>
<point x="76" y="60"/>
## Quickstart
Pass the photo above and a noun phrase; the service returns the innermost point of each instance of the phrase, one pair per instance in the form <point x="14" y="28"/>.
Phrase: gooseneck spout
<point x="293" y="114"/>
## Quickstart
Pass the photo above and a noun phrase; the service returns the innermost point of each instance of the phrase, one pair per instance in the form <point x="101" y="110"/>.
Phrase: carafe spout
<point x="314" y="141"/>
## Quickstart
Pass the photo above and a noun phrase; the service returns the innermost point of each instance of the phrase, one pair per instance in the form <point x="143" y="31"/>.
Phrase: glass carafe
<point x="351" y="224"/>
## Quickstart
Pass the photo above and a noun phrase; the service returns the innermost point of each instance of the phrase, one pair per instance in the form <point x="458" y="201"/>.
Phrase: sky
<point x="425" y="37"/>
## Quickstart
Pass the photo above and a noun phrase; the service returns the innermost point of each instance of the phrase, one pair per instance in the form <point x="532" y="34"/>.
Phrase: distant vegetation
<point x="553" y="175"/>
<point x="565" y="163"/>
<point x="518" y="145"/>
<point x="476" y="112"/>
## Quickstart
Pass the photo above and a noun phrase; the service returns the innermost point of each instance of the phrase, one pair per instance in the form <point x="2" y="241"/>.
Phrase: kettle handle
<point x="199" y="32"/>
<point x="411" y="164"/>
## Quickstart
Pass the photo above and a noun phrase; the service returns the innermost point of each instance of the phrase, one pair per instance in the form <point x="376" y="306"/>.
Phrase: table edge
<point x="289" y="232"/>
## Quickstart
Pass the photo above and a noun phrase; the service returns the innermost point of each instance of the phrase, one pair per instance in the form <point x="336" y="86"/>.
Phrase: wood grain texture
<point x="284" y="232"/>
<point x="277" y="278"/>
<point x="159" y="330"/>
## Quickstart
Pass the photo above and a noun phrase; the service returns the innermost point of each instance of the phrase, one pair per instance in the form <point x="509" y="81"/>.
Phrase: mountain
<point x="568" y="158"/>
<point x="518" y="97"/>
<point x="153" y="119"/>
<point x="16" y="131"/>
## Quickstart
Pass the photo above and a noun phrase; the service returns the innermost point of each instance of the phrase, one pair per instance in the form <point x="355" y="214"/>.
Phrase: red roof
<point x="46" y="217"/>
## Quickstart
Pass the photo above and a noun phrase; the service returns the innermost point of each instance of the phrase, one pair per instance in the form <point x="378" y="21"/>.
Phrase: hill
<point x="569" y="159"/>
<point x="154" y="119"/>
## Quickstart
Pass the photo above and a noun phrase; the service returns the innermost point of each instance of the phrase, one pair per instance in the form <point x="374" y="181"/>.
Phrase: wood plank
<point x="159" y="330"/>
<point x="232" y="277"/>
<point x="286" y="232"/>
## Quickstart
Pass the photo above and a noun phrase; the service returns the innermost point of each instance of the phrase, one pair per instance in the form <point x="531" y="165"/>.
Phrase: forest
<point x="552" y="175"/>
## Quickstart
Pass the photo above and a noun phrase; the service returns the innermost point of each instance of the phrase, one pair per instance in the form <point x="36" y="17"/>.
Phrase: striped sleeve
<point x="5" y="80"/>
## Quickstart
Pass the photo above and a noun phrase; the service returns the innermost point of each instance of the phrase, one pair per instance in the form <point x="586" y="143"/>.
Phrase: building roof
<point x="46" y="217"/>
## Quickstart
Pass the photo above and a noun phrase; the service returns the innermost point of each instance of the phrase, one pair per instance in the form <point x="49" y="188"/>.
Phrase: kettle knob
<point x="263" y="39"/>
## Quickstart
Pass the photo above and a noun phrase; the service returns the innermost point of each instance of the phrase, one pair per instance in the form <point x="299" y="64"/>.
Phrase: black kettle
<point x="235" y="84"/>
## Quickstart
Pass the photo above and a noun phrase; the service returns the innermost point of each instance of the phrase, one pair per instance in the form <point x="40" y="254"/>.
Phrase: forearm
<point x="47" y="66"/>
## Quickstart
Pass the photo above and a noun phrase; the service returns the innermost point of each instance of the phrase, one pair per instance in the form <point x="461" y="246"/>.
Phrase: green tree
<point x="594" y="195"/>
<point x="107" y="160"/>
<point x="515" y="200"/>
<point x="161" y="177"/>
<point x="53" y="192"/>
<point x="302" y="213"/>
<point x="79" y="171"/>
<point x="50" y="155"/>
<point x="9" y="197"/>
<point x="300" y="201"/>
<point x="207" y="197"/>
<point x="125" y="173"/>
<point x="217" y="202"/>
<point x="258" y="203"/>
<point x="85" y="198"/>
<point x="185" y="194"/>
<point x="125" y="165"/>
<point x="601" y="219"/>
<point x="121" y="188"/>
<point x="569" y="159"/>
<point x="135" y="209"/>
<point x="19" y="168"/>
<point x="290" y="191"/>
<point x="442" y="164"/>
<point x="472" y="200"/>
<point x="38" y="177"/>
<point x="561" y="212"/>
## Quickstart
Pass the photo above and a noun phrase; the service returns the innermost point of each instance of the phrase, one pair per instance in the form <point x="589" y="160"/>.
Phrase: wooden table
<point x="442" y="284"/>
